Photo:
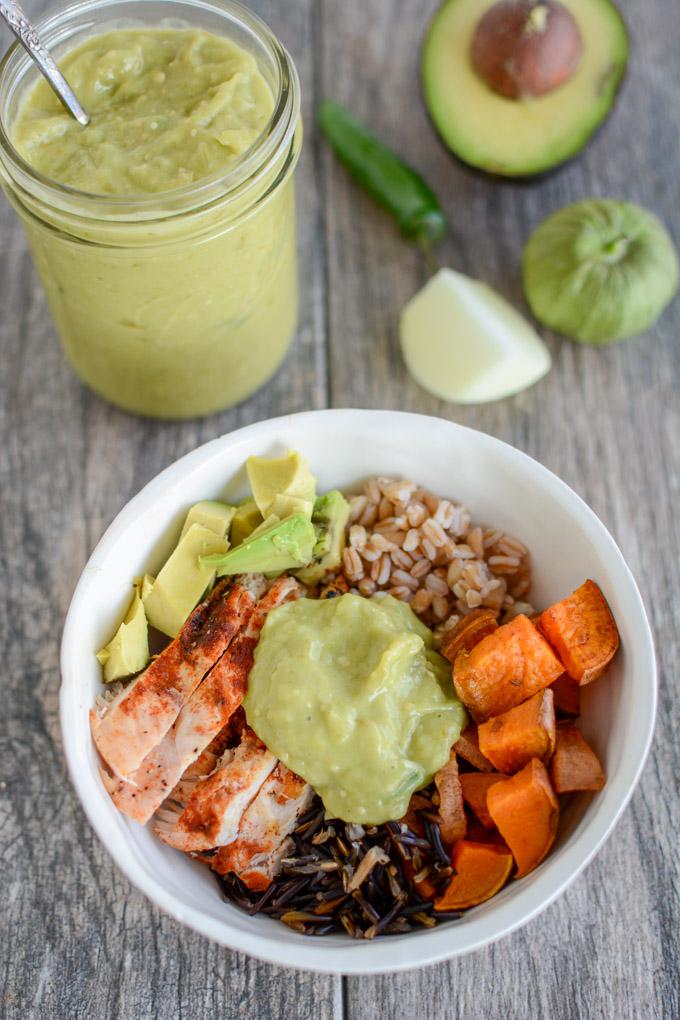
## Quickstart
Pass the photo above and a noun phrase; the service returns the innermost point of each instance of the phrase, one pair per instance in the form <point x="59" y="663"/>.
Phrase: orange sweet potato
<point x="475" y="786"/>
<point x="582" y="631"/>
<point x="505" y="669"/>
<point x="481" y="870"/>
<point x="451" y="810"/>
<point x="467" y="747"/>
<point x="567" y="694"/>
<point x="527" y="731"/>
<point x="468" y="632"/>
<point x="525" y="811"/>
<point x="574" y="766"/>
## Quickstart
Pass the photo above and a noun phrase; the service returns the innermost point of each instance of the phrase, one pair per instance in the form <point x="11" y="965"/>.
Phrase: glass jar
<point x="176" y="304"/>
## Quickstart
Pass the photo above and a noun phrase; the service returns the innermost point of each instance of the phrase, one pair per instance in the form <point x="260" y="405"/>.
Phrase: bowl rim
<point x="424" y="948"/>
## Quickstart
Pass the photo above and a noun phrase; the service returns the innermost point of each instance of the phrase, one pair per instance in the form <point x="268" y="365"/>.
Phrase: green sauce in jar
<point x="168" y="306"/>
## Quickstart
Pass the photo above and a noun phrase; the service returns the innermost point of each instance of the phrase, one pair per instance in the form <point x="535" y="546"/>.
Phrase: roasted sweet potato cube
<point x="505" y="669"/>
<point x="582" y="631"/>
<point x="574" y="766"/>
<point x="525" y="811"/>
<point x="467" y="747"/>
<point x="527" y="731"/>
<point x="451" y="810"/>
<point x="468" y="632"/>
<point x="475" y="786"/>
<point x="481" y="870"/>
<point x="567" y="694"/>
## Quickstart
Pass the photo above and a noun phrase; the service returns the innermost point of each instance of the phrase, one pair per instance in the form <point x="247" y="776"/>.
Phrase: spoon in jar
<point x="30" y="40"/>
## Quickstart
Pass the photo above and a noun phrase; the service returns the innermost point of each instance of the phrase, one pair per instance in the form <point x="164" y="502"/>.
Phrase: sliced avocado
<point x="128" y="650"/>
<point x="144" y="584"/>
<point x="282" y="546"/>
<point x="529" y="134"/>
<point x="211" y="514"/>
<point x="273" y="478"/>
<point x="330" y="517"/>
<point x="244" y="521"/>
<point x="183" y="580"/>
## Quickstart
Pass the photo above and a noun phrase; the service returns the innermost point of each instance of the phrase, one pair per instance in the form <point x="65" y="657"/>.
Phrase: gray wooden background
<point x="76" y="940"/>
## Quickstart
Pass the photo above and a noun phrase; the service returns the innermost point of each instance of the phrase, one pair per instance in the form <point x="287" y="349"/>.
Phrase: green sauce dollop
<point x="350" y="695"/>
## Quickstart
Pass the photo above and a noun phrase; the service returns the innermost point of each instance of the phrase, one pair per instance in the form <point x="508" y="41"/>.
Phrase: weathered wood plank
<point x="606" y="421"/>
<point x="76" y="940"/>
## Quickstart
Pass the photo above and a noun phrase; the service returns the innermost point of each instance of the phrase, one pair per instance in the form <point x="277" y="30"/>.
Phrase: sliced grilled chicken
<point x="135" y="721"/>
<point x="202" y="718"/>
<point x="255" y="855"/>
<point x="213" y="812"/>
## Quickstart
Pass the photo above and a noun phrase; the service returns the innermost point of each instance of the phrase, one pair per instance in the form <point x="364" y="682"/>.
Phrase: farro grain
<point x="416" y="514"/>
<point x="436" y="585"/>
<point x="427" y="547"/>
<point x="475" y="540"/>
<point x="473" y="598"/>
<point x="431" y="501"/>
<point x="401" y="592"/>
<point x="357" y="536"/>
<point x="357" y="505"/>
<point x="463" y="552"/>
<point x="403" y="577"/>
<point x="440" y="607"/>
<point x="381" y="543"/>
<point x="444" y="513"/>
<point x="366" y="587"/>
<point x="454" y="572"/>
<point x="412" y="540"/>
<point x="402" y="559"/>
<point x="384" y="569"/>
<point x="369" y="515"/>
<point x="385" y="508"/>
<point x="434" y="532"/>
<point x="372" y="490"/>
<point x="354" y="568"/>
<point x="369" y="553"/>
<point x="422" y="600"/>
<point x="420" y="568"/>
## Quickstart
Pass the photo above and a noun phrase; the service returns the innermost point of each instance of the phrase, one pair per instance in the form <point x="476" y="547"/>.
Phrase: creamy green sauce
<point x="349" y="694"/>
<point x="167" y="107"/>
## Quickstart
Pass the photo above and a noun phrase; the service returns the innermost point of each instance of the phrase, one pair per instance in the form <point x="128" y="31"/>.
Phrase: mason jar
<point x="179" y="303"/>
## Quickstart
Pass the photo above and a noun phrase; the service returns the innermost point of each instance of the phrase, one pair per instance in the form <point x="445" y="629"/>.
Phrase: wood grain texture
<point x="75" y="939"/>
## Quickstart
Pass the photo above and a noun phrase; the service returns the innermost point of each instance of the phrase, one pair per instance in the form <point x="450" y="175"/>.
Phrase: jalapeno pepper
<point x="390" y="181"/>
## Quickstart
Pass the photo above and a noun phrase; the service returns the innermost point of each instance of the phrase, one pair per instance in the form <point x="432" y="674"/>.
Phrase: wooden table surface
<point x="76" y="940"/>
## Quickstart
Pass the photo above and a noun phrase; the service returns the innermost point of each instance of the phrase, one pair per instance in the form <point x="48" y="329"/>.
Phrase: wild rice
<point x="351" y="878"/>
<point x="405" y="540"/>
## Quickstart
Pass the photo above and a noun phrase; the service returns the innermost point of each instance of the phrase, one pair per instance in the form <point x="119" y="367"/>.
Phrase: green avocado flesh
<point x="349" y="693"/>
<point x="520" y="137"/>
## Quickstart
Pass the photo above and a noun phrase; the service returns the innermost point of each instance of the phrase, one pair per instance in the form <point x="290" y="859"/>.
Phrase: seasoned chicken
<point x="214" y="809"/>
<point x="202" y="718"/>
<point x="255" y="855"/>
<point x="139" y="717"/>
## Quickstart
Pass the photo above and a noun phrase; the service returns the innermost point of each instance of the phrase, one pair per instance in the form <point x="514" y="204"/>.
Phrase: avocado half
<point x="520" y="137"/>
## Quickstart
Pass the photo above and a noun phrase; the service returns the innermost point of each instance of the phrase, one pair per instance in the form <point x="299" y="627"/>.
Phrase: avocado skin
<point x="537" y="176"/>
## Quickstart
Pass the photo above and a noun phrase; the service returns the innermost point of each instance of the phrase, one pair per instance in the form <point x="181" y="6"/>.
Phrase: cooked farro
<point x="406" y="541"/>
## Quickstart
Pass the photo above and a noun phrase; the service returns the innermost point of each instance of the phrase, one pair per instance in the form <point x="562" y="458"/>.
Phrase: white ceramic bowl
<point x="501" y="486"/>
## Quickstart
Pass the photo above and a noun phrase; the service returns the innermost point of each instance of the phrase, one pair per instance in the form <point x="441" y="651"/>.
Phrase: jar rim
<point x="222" y="184"/>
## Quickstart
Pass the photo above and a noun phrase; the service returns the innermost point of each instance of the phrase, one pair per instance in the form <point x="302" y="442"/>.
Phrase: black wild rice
<point x="344" y="877"/>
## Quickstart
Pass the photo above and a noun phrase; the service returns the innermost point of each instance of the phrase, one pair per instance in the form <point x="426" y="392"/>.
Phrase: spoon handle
<point x="30" y="40"/>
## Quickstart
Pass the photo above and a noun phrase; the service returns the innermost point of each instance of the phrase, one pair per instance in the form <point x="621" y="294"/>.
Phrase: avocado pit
<point x="526" y="49"/>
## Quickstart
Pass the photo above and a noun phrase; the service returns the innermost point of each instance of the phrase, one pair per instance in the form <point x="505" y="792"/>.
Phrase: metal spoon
<point x="30" y="40"/>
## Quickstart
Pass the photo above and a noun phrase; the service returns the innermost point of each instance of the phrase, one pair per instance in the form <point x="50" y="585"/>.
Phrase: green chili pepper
<point x="390" y="181"/>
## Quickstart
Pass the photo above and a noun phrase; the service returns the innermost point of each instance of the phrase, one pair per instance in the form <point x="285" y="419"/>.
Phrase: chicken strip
<point x="214" y="809"/>
<point x="201" y="719"/>
<point x="256" y="853"/>
<point x="140" y="716"/>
